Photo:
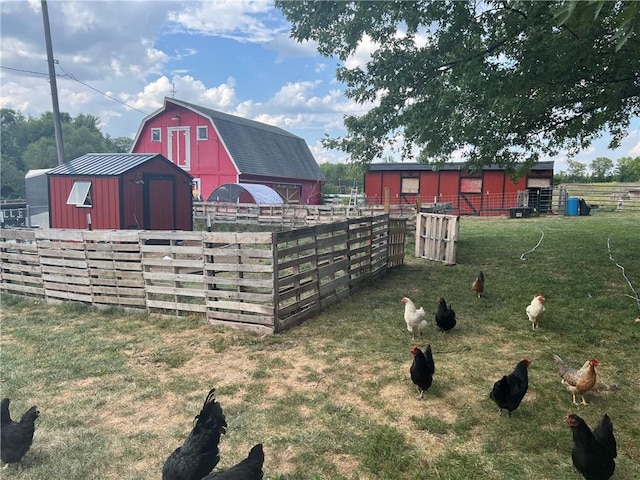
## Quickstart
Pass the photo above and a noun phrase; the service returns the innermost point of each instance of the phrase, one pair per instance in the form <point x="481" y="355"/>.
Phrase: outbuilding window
<point x="471" y="185"/>
<point x="202" y="133"/>
<point x="156" y="135"/>
<point x="410" y="185"/>
<point x="80" y="195"/>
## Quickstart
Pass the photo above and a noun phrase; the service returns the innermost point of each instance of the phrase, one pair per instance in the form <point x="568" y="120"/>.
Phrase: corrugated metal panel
<point x="102" y="164"/>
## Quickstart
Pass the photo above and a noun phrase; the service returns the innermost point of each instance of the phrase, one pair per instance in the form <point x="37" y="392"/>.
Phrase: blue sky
<point x="233" y="56"/>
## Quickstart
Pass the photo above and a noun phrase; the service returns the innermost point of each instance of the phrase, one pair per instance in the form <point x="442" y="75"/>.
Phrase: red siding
<point x="118" y="202"/>
<point x="498" y="193"/>
<point x="104" y="191"/>
<point x="208" y="160"/>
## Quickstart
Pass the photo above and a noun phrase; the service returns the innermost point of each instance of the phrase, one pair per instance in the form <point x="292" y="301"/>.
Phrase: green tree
<point x="29" y="143"/>
<point x="502" y="81"/>
<point x="119" y="144"/>
<point x="576" y="171"/>
<point x="628" y="169"/>
<point x="601" y="169"/>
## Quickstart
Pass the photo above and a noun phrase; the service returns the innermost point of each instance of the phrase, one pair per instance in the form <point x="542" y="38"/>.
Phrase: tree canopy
<point x="29" y="143"/>
<point x="503" y="82"/>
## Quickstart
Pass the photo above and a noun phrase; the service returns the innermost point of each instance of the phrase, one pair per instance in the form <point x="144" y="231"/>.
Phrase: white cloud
<point x="241" y="20"/>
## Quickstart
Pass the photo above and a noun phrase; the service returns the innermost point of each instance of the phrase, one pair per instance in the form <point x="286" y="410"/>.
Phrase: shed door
<point x="159" y="203"/>
<point x="179" y="146"/>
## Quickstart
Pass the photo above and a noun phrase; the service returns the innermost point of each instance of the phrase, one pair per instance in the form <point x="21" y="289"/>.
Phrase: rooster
<point x="16" y="437"/>
<point x="415" y="318"/>
<point x="422" y="368"/>
<point x="478" y="284"/>
<point x="578" y="382"/>
<point x="248" y="469"/>
<point x="199" y="454"/>
<point x="445" y="316"/>
<point x="593" y="453"/>
<point x="509" y="391"/>
<point x="535" y="310"/>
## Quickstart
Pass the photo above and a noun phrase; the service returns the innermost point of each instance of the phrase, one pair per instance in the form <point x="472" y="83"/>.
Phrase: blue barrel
<point x="573" y="206"/>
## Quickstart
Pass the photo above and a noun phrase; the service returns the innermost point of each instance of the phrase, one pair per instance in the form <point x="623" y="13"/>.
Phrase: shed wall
<point x="447" y="186"/>
<point x="105" y="209"/>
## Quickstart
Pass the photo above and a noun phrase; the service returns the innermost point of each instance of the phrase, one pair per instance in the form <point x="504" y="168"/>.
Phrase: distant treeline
<point x="29" y="143"/>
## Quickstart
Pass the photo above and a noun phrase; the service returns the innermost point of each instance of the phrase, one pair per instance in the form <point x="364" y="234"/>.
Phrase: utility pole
<point x="57" y="126"/>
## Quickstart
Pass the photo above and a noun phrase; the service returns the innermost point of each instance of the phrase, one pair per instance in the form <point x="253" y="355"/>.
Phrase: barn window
<point x="156" y="136"/>
<point x="410" y="185"/>
<point x="80" y="195"/>
<point x="202" y="133"/>
<point x="471" y="185"/>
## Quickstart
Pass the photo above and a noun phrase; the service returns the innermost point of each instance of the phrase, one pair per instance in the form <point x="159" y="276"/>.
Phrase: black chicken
<point x="248" y="469"/>
<point x="16" y="437"/>
<point x="593" y="453"/>
<point x="422" y="368"/>
<point x="509" y="391"/>
<point x="445" y="316"/>
<point x="199" y="454"/>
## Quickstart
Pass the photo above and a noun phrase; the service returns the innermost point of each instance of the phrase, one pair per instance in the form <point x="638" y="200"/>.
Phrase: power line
<point x="71" y="77"/>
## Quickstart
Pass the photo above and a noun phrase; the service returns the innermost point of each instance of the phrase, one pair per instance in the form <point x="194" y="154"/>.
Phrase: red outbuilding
<point x="120" y="191"/>
<point x="217" y="148"/>
<point x="490" y="191"/>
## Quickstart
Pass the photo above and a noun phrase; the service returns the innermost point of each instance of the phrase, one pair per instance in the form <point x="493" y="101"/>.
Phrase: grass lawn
<point x="332" y="398"/>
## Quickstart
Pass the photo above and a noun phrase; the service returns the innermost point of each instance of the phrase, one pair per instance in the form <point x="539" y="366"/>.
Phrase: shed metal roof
<point x="261" y="149"/>
<point x="103" y="164"/>
<point x="388" y="167"/>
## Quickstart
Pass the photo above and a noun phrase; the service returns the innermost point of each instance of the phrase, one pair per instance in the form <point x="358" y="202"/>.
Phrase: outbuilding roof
<point x="103" y="164"/>
<point x="401" y="166"/>
<point x="258" y="148"/>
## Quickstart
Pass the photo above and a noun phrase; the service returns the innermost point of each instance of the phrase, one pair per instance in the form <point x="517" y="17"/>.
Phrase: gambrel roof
<point x="257" y="148"/>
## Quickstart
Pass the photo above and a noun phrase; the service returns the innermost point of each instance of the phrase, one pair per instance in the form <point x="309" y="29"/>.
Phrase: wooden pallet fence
<point x="395" y="240"/>
<point x="297" y="281"/>
<point x="437" y="237"/>
<point x="21" y="272"/>
<point x="115" y="268"/>
<point x="173" y="272"/>
<point x="65" y="271"/>
<point x="293" y="215"/>
<point x="360" y="249"/>
<point x="321" y="265"/>
<point x="239" y="275"/>
<point x="260" y="281"/>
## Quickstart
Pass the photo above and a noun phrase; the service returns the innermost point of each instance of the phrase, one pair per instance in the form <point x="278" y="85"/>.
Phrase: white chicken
<point x="415" y="318"/>
<point x="535" y="310"/>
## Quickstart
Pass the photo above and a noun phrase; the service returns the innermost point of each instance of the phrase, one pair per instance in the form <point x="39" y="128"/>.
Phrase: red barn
<point x="488" y="192"/>
<point x="120" y="191"/>
<point x="217" y="148"/>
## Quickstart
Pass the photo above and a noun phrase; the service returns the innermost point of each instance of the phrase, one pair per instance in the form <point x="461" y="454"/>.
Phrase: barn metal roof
<point x="102" y="164"/>
<point x="261" y="149"/>
<point x="387" y="167"/>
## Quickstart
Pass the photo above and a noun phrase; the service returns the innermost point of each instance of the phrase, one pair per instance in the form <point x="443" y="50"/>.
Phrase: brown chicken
<point x="578" y="382"/>
<point x="478" y="284"/>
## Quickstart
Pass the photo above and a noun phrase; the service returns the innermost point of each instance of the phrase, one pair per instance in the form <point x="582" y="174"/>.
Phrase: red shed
<point x="218" y="148"/>
<point x="120" y="191"/>
<point x="488" y="192"/>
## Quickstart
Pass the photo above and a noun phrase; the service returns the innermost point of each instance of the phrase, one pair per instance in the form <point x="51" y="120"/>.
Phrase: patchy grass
<point x="332" y="399"/>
